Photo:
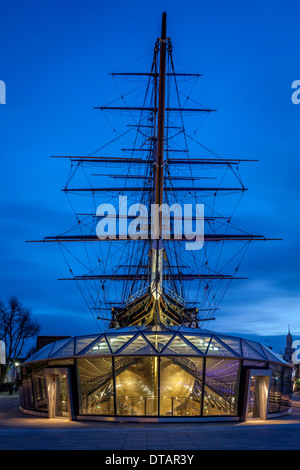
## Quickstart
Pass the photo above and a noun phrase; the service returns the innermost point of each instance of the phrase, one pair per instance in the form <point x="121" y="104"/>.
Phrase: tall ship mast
<point x="153" y="280"/>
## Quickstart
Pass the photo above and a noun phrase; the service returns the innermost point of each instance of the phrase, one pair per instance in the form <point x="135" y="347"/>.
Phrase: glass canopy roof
<point x="153" y="341"/>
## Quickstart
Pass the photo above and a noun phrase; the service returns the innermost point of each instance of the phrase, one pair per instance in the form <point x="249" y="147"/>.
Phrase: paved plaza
<point x="22" y="432"/>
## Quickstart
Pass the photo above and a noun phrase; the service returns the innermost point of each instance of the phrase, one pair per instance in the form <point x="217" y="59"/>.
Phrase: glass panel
<point x="42" y="353"/>
<point x="221" y="387"/>
<point x="158" y="340"/>
<point x="217" y="349"/>
<point x="250" y="352"/>
<point x="275" y="388"/>
<point x="233" y="343"/>
<point x="272" y="356"/>
<point x="66" y="351"/>
<point x="82" y="343"/>
<point x="39" y="387"/>
<point x="179" y="346"/>
<point x="257" y="347"/>
<point x="180" y="386"/>
<point x="59" y="344"/>
<point x="95" y="386"/>
<point x="61" y="397"/>
<point x="138" y="346"/>
<point x="254" y="401"/>
<point x="98" y="348"/>
<point x="201" y="342"/>
<point x="137" y="385"/>
<point x="286" y="391"/>
<point x="116" y="342"/>
<point x="27" y="393"/>
<point x="31" y="358"/>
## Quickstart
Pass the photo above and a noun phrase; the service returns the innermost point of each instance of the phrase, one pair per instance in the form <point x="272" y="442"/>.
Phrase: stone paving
<point x="22" y="432"/>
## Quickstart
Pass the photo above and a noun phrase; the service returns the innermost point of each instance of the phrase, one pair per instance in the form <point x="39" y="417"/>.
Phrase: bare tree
<point x="16" y="327"/>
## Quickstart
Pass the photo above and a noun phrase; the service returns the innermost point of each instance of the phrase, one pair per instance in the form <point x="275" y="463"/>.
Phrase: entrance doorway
<point x="257" y="394"/>
<point x="59" y="393"/>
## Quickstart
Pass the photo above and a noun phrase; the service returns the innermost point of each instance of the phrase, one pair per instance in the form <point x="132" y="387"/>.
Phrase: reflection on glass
<point x="257" y="347"/>
<point x="217" y="349"/>
<point x="201" y="342"/>
<point x="98" y="348"/>
<point x="275" y="388"/>
<point x="117" y="341"/>
<point x="180" y="386"/>
<point x="82" y="343"/>
<point x="138" y="346"/>
<point x="249" y="352"/>
<point x="254" y="399"/>
<point x="136" y="385"/>
<point x="58" y="345"/>
<point x="179" y="346"/>
<point x="233" y="343"/>
<point x="66" y="351"/>
<point x="286" y="391"/>
<point x="39" y="387"/>
<point x="221" y="387"/>
<point x="95" y="386"/>
<point x="61" y="397"/>
<point x="42" y="353"/>
<point x="159" y="341"/>
<point x="27" y="393"/>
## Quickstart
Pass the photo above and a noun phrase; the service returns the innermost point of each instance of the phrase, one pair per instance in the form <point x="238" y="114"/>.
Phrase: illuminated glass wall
<point x="181" y="386"/>
<point x="176" y="383"/>
<point x="95" y="386"/>
<point x="221" y="387"/>
<point x="136" y="386"/>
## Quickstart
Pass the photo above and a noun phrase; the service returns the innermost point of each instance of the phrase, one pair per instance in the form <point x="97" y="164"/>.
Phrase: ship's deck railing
<point x="175" y="296"/>
<point x="138" y="294"/>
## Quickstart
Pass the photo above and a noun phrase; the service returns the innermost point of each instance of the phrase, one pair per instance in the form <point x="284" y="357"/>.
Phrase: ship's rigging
<point x="155" y="282"/>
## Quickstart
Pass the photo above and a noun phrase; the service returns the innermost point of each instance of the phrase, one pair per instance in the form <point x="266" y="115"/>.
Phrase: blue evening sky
<point x="55" y="58"/>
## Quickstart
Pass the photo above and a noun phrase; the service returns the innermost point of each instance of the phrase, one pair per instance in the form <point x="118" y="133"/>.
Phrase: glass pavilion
<point x="155" y="374"/>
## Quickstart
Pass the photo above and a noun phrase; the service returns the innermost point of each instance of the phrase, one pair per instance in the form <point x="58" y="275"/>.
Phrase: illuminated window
<point x="180" y="386"/>
<point x="95" y="384"/>
<point x="136" y="386"/>
<point x="221" y="387"/>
